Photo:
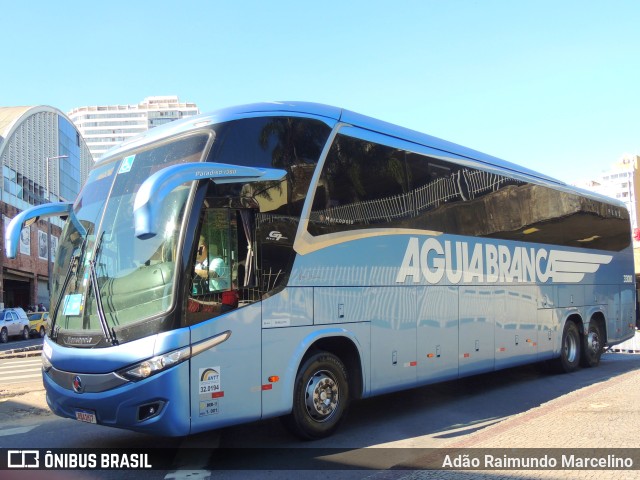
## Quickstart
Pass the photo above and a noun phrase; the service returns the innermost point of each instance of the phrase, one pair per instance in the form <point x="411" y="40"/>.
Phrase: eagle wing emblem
<point x="571" y="267"/>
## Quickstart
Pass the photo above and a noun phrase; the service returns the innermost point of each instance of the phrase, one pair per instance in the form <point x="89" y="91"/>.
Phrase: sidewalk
<point x="602" y="415"/>
<point x="22" y="402"/>
<point x="32" y="351"/>
<point x="630" y="346"/>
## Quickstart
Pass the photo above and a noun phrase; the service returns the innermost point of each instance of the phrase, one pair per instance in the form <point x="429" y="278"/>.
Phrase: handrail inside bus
<point x="150" y="196"/>
<point x="31" y="215"/>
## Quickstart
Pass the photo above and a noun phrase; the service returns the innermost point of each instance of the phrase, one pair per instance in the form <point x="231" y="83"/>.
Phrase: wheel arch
<point x="599" y="318"/>
<point x="344" y="345"/>
<point x="346" y="350"/>
<point x="575" y="317"/>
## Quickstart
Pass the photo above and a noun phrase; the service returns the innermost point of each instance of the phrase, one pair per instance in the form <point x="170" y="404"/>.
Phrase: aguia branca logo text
<point x="434" y="261"/>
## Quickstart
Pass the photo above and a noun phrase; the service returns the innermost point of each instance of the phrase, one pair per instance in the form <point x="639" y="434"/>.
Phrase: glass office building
<point x="44" y="158"/>
<point x="105" y="126"/>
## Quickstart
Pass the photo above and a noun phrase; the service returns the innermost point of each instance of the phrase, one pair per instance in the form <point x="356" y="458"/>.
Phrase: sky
<point x="551" y="85"/>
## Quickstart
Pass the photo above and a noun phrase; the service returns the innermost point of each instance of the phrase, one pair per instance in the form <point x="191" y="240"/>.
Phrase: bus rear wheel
<point x="569" y="360"/>
<point x="592" y="345"/>
<point x="320" y="397"/>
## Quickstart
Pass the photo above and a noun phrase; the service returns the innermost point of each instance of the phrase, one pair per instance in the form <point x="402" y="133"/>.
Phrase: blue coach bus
<point x="285" y="259"/>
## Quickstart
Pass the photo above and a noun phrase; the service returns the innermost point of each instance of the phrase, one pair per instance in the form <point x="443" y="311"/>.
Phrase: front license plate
<point x="86" y="416"/>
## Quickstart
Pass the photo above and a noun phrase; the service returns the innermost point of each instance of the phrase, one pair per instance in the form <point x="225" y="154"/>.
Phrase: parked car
<point x="13" y="323"/>
<point x="38" y="323"/>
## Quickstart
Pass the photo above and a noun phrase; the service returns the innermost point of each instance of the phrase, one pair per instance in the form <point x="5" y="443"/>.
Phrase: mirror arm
<point x="31" y="215"/>
<point x="152" y="192"/>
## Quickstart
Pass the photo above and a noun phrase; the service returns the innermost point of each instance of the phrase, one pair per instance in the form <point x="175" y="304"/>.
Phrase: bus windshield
<point x="134" y="277"/>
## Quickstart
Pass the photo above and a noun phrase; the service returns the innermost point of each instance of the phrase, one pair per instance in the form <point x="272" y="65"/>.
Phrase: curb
<point x="34" y="351"/>
<point x="628" y="346"/>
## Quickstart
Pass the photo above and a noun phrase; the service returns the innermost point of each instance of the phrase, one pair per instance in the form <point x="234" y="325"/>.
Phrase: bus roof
<point x="317" y="110"/>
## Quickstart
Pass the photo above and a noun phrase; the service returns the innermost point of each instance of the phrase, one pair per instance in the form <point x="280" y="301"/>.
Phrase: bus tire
<point x="569" y="360"/>
<point x="320" y="397"/>
<point x="592" y="345"/>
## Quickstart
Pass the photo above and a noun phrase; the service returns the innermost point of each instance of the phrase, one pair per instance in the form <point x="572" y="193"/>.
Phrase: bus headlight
<point x="46" y="363"/>
<point x="155" y="365"/>
<point x="46" y="355"/>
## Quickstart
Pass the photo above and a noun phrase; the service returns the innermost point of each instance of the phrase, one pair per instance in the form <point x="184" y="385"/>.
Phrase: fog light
<point x="149" y="410"/>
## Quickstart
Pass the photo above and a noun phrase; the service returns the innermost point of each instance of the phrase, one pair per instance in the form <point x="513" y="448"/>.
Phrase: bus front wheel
<point x="569" y="360"/>
<point x="320" y="397"/>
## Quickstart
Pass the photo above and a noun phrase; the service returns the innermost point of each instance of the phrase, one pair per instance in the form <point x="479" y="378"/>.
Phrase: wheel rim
<point x="322" y="396"/>
<point x="571" y="348"/>
<point x="4" y="336"/>
<point x="593" y="341"/>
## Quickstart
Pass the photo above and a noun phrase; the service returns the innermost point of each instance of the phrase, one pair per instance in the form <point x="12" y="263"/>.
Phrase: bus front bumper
<point x="157" y="405"/>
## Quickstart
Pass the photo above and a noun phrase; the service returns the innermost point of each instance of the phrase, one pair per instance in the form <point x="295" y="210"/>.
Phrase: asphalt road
<point x="13" y="344"/>
<point x="392" y="429"/>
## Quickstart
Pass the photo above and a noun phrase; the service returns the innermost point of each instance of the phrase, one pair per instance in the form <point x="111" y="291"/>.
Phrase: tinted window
<point x="361" y="186"/>
<point x="287" y="143"/>
<point x="440" y="188"/>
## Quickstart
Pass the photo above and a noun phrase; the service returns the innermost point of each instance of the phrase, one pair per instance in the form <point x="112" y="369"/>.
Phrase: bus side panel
<point x="225" y="380"/>
<point x="547" y="322"/>
<point x="339" y="305"/>
<point x="478" y="311"/>
<point x="283" y="351"/>
<point x="613" y="309"/>
<point x="437" y="334"/>
<point x="595" y="294"/>
<point x="292" y="307"/>
<point x="615" y="334"/>
<point x="547" y="333"/>
<point x="570" y="295"/>
<point x="283" y="347"/>
<point x="627" y="311"/>
<point x="393" y="313"/>
<point x="516" y="326"/>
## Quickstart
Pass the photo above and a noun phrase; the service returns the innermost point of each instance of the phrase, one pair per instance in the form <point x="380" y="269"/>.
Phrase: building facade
<point x="621" y="181"/>
<point x="44" y="158"/>
<point x="105" y="126"/>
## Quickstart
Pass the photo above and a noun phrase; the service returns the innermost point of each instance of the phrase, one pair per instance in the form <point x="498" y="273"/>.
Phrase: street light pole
<point x="58" y="157"/>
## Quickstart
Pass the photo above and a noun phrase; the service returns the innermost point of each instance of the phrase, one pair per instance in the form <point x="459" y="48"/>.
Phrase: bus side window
<point x="320" y="199"/>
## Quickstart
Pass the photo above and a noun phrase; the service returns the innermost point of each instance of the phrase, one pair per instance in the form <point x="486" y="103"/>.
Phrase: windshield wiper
<point x="77" y="254"/>
<point x="110" y="336"/>
<point x="76" y="257"/>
